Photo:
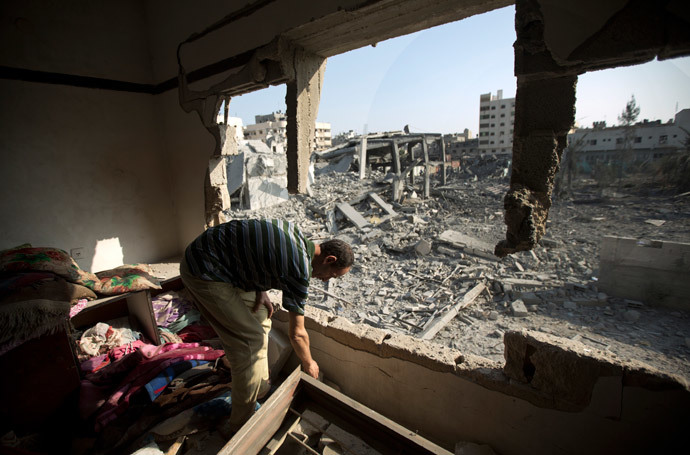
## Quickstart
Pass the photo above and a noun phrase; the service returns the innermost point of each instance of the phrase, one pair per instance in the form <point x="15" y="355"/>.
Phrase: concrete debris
<point x="257" y="177"/>
<point x="395" y="286"/>
<point x="423" y="247"/>
<point x="518" y="309"/>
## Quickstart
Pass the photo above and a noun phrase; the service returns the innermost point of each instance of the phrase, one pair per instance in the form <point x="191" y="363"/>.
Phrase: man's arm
<point x="299" y="339"/>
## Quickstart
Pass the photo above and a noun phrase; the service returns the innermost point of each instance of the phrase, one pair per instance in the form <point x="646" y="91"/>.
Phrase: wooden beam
<point x="441" y="322"/>
<point x="259" y="429"/>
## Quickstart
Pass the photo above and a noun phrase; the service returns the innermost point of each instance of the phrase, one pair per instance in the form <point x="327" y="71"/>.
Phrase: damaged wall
<point x="555" y="396"/>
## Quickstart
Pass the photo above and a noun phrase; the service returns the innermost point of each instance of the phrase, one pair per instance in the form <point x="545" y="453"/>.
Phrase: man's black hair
<point x="339" y="249"/>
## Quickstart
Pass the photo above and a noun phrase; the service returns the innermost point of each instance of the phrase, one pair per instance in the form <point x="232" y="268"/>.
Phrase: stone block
<point x="518" y="308"/>
<point x="423" y="247"/>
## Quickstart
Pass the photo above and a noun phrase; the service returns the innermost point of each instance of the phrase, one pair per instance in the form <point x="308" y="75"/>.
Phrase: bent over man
<point x="228" y="270"/>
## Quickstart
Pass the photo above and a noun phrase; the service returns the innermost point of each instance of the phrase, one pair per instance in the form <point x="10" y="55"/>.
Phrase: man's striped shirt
<point x="255" y="255"/>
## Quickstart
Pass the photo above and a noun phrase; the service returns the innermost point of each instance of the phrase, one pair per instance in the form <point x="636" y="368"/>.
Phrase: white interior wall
<point x="80" y="166"/>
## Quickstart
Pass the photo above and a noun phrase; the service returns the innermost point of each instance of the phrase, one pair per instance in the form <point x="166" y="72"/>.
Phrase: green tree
<point x="627" y="120"/>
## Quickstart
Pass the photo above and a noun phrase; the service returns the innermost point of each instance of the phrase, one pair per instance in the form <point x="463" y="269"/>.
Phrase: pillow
<point x="54" y="260"/>
<point x="53" y="288"/>
<point x="125" y="278"/>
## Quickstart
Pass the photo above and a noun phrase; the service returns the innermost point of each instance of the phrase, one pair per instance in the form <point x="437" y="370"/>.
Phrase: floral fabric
<point x="125" y="278"/>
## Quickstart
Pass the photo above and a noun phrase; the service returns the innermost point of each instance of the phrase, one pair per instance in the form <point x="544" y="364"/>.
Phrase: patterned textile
<point x="190" y="317"/>
<point x="126" y="278"/>
<point x="255" y="255"/>
<point x="122" y="279"/>
<point x="121" y="351"/>
<point x="153" y="360"/>
<point x="77" y="307"/>
<point x="167" y="336"/>
<point x="170" y="306"/>
<point x="102" y="337"/>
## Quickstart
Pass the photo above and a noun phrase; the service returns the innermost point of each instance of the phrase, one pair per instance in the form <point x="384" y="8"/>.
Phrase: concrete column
<point x="425" y="149"/>
<point x="443" y="157"/>
<point x="544" y="112"/>
<point x="410" y="151"/>
<point x="302" y="100"/>
<point x="397" y="178"/>
<point x="363" y="155"/>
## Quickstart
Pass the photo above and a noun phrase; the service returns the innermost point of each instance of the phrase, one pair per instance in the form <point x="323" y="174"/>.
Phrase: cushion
<point x="51" y="288"/>
<point x="53" y="260"/>
<point x="126" y="278"/>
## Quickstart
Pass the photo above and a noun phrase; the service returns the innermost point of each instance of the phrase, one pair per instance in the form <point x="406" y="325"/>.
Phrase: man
<point x="228" y="270"/>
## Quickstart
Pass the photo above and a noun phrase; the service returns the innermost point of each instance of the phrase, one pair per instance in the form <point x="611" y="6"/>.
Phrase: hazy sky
<point x="432" y="80"/>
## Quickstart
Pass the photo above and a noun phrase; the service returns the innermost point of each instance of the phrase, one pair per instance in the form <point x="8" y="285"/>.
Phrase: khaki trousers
<point x="244" y="335"/>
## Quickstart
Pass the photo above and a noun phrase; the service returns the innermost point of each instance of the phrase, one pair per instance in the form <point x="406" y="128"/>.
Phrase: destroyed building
<point x="111" y="151"/>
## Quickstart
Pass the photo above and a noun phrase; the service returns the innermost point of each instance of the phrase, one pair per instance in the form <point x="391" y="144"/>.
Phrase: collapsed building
<point x="125" y="97"/>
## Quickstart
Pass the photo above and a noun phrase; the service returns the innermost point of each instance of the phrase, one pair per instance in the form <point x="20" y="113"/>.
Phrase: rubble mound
<point x="415" y="268"/>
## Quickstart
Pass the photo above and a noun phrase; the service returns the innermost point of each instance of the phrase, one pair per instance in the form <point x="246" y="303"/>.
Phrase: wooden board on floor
<point x="651" y="271"/>
<point x="300" y="392"/>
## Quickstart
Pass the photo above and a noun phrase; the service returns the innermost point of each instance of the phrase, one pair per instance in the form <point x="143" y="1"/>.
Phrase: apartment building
<point x="651" y="140"/>
<point x="272" y="129"/>
<point x="496" y="122"/>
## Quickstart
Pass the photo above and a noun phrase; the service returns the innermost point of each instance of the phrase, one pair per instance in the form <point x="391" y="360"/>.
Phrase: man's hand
<point x="263" y="299"/>
<point x="311" y="368"/>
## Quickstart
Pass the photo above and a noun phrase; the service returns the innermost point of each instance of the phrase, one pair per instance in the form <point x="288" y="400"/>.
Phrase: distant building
<point x="232" y="121"/>
<point x="272" y="130"/>
<point x="322" y="136"/>
<point x="341" y="138"/>
<point x="652" y="140"/>
<point x="496" y="122"/>
<point x="458" y="143"/>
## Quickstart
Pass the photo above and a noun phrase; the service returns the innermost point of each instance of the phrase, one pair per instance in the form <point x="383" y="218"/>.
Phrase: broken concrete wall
<point x="556" y="396"/>
<point x="81" y="167"/>
<point x="257" y="176"/>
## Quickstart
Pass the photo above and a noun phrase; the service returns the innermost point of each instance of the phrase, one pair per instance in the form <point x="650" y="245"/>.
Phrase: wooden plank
<point x="383" y="204"/>
<point x="352" y="215"/>
<point x="654" y="272"/>
<point x="140" y="308"/>
<point x="441" y="322"/>
<point x="259" y="429"/>
<point x="375" y="429"/>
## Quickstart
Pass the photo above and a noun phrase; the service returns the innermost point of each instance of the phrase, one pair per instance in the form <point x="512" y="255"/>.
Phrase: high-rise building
<point x="496" y="123"/>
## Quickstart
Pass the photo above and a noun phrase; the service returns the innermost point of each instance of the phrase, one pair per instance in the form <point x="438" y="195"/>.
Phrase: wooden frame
<point x="299" y="392"/>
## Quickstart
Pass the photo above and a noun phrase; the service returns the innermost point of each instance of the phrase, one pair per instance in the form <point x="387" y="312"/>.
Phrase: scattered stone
<point x="530" y="298"/>
<point x="493" y="315"/>
<point x="518" y="308"/>
<point x="423" y="247"/>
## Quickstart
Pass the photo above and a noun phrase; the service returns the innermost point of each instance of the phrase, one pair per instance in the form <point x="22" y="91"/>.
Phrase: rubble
<point x="408" y="274"/>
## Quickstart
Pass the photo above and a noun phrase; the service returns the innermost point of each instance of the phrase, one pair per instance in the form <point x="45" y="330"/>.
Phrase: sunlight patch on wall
<point x="107" y="255"/>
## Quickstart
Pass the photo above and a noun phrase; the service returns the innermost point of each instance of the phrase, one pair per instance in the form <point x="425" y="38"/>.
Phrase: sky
<point x="431" y="80"/>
